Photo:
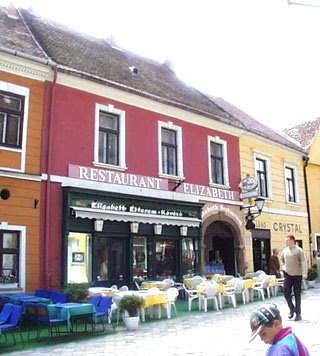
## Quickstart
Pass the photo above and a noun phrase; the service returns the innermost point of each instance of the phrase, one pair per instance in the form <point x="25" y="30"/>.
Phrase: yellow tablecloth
<point x="248" y="283"/>
<point x="153" y="284"/>
<point x="156" y="299"/>
<point x="221" y="287"/>
<point x="272" y="281"/>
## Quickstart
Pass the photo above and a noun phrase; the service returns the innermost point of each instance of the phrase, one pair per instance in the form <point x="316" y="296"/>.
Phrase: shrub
<point x="130" y="303"/>
<point x="312" y="274"/>
<point x="77" y="292"/>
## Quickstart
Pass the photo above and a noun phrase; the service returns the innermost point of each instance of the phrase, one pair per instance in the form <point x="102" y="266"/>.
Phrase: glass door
<point x="112" y="261"/>
<point x="261" y="254"/>
<point x="166" y="259"/>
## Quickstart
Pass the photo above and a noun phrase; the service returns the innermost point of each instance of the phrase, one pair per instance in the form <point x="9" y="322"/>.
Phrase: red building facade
<point x="163" y="214"/>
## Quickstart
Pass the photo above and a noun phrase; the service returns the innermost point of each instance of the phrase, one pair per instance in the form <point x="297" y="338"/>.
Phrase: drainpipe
<point x="48" y="270"/>
<point x="305" y="160"/>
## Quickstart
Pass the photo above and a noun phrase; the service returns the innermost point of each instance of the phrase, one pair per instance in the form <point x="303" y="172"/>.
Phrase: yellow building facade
<point x="279" y="170"/>
<point x="313" y="181"/>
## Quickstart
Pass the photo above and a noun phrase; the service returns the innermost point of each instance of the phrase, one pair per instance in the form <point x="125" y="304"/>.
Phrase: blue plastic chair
<point x="43" y="315"/>
<point x="95" y="300"/>
<point x="42" y="293"/>
<point x="14" y="322"/>
<point x="32" y="317"/>
<point x="5" y="313"/>
<point x="103" y="310"/>
<point x="58" y="297"/>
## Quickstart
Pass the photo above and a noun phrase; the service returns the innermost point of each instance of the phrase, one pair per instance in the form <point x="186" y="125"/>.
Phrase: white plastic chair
<point x="195" y="281"/>
<point x="210" y="292"/>
<point x="260" y="285"/>
<point x="115" y="307"/>
<point x="172" y="295"/>
<point x="230" y="293"/>
<point x="123" y="288"/>
<point x="191" y="294"/>
<point x="168" y="284"/>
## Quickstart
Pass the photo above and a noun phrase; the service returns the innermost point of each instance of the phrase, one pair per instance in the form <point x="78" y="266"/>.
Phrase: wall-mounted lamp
<point x="259" y="202"/>
<point x="183" y="230"/>
<point x="98" y="225"/>
<point x="158" y="229"/>
<point x="134" y="227"/>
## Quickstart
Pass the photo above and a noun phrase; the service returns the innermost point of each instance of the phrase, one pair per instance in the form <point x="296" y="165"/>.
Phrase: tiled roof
<point x="15" y="36"/>
<point x="95" y="58"/>
<point x="255" y="126"/>
<point x="304" y="133"/>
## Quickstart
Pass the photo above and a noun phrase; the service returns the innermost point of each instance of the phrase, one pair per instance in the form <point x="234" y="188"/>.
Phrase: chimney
<point x="169" y="63"/>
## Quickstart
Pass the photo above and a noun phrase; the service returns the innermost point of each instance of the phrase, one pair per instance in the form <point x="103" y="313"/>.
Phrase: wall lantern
<point x="183" y="230"/>
<point x="98" y="225"/>
<point x="134" y="227"/>
<point x="158" y="229"/>
<point x="251" y="215"/>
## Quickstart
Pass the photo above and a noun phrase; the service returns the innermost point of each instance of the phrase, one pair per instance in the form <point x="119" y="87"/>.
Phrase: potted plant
<point x="77" y="292"/>
<point x="312" y="275"/>
<point x="130" y="305"/>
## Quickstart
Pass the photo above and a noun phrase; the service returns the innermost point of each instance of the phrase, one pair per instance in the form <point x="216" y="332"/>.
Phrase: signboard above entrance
<point x="105" y="176"/>
<point x="135" y="180"/>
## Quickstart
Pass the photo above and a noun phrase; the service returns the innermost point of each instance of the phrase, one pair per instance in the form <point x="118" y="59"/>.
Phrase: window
<point x="109" y="137"/>
<point x="11" y="119"/>
<point x="290" y="185"/>
<point x="218" y="161"/>
<point x="170" y="150"/>
<point x="140" y="259"/>
<point x="261" y="172"/>
<point x="290" y="176"/>
<point x="9" y="257"/>
<point x="79" y="258"/>
<point x="317" y="243"/>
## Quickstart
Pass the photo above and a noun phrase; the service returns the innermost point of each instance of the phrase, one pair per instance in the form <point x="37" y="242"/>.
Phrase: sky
<point x="262" y="56"/>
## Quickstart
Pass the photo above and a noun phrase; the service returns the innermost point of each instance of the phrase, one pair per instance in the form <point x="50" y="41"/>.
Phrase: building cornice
<point x="25" y="67"/>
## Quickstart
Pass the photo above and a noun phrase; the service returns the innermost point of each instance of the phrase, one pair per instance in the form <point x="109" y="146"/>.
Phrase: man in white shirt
<point x="295" y="269"/>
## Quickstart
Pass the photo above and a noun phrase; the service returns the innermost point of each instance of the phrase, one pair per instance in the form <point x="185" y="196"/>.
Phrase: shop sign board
<point x="135" y="180"/>
<point x="248" y="184"/>
<point x="112" y="177"/>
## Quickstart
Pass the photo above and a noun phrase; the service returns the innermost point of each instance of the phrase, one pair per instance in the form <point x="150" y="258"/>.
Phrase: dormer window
<point x="134" y="70"/>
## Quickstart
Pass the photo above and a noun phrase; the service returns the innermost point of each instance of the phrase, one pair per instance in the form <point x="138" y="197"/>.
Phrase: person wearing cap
<point x="266" y="322"/>
<point x="295" y="269"/>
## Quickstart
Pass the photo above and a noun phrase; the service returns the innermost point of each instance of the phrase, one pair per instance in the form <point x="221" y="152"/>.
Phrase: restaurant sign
<point x="135" y="180"/>
<point x="136" y="209"/>
<point x="112" y="177"/>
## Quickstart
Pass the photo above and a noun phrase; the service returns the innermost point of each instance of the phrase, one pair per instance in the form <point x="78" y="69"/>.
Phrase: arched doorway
<point x="220" y="247"/>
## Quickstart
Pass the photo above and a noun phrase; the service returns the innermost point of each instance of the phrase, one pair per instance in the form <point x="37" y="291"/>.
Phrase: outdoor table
<point x="22" y="298"/>
<point x="150" y="299"/>
<point x="67" y="311"/>
<point x="153" y="284"/>
<point x="106" y="292"/>
<point x="187" y="282"/>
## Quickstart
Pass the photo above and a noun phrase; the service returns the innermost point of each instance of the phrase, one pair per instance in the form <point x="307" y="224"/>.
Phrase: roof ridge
<point x="32" y="35"/>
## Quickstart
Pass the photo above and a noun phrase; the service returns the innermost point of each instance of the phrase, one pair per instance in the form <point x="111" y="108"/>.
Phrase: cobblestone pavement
<point x="216" y="333"/>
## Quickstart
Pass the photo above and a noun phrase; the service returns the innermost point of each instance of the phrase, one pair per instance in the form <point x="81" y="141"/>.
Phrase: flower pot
<point x="131" y="322"/>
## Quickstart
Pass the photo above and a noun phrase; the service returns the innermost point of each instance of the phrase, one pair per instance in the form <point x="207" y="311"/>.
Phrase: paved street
<point x="221" y="333"/>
